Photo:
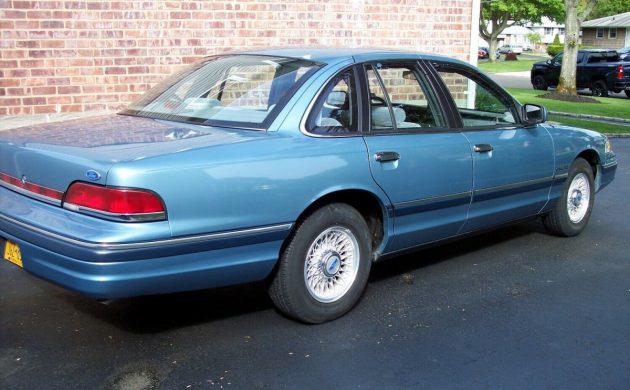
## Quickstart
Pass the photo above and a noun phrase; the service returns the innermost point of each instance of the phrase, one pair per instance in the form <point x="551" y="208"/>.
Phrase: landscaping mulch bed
<point x="568" y="98"/>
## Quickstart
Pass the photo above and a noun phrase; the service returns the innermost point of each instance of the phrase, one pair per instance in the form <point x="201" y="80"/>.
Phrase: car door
<point x="513" y="164"/>
<point x="424" y="167"/>
<point x="553" y="70"/>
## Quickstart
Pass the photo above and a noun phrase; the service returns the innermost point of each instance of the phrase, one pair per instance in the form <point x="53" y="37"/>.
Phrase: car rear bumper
<point x="622" y="85"/>
<point x="125" y="269"/>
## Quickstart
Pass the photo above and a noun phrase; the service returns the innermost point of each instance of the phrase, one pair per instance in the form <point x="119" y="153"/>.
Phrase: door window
<point x="478" y="104"/>
<point x="336" y="110"/>
<point x="398" y="99"/>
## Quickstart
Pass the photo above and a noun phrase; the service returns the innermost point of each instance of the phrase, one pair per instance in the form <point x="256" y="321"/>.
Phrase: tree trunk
<point x="567" y="83"/>
<point x="492" y="49"/>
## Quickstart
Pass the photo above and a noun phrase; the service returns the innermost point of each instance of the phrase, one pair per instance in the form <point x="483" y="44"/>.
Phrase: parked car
<point x="511" y="49"/>
<point x="624" y="54"/>
<point x="527" y="47"/>
<point x="483" y="53"/>
<point x="296" y="167"/>
<point x="599" y="70"/>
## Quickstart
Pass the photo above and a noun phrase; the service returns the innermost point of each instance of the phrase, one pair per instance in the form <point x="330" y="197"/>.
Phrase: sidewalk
<point x="13" y="121"/>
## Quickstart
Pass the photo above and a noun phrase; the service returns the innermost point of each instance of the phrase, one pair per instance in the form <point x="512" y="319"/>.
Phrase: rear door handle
<point x="483" y="148"/>
<point x="386" y="156"/>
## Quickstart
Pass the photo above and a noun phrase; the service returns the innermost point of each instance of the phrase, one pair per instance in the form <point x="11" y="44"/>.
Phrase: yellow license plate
<point x="12" y="253"/>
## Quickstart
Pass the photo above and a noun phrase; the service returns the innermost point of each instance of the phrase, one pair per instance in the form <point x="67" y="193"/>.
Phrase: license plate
<point x="12" y="253"/>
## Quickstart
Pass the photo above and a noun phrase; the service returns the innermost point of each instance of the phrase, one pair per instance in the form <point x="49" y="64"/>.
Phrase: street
<point x="522" y="80"/>
<point x="514" y="308"/>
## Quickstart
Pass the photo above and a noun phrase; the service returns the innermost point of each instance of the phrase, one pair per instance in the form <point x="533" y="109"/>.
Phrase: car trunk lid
<point x="54" y="155"/>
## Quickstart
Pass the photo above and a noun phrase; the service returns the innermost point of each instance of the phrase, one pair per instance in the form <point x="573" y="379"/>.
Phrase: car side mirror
<point x="548" y="62"/>
<point x="533" y="114"/>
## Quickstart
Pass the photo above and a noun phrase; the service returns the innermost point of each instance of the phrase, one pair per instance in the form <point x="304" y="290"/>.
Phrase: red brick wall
<point x="73" y="56"/>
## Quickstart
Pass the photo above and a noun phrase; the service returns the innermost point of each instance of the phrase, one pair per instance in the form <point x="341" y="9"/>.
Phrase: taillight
<point x="31" y="189"/>
<point x="619" y="72"/>
<point x="120" y="204"/>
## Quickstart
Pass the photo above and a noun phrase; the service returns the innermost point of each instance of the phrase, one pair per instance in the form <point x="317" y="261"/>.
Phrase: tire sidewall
<point x="600" y="89"/>
<point x="540" y="85"/>
<point x="579" y="166"/>
<point x="311" y="310"/>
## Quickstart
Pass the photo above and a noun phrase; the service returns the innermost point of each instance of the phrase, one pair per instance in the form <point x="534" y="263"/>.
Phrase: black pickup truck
<point x="599" y="70"/>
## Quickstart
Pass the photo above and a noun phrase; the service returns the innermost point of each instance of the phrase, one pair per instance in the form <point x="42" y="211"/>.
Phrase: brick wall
<point x="74" y="56"/>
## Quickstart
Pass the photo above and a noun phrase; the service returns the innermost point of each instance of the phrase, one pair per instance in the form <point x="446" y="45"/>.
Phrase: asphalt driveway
<point x="510" y="309"/>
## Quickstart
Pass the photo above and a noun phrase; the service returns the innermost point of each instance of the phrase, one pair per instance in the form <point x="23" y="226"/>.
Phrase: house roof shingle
<point x="619" y="20"/>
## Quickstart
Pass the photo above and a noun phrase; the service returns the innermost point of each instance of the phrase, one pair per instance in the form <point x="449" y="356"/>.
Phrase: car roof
<point x="333" y="55"/>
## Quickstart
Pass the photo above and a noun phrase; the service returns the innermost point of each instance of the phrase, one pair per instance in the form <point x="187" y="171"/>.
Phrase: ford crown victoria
<point x="296" y="167"/>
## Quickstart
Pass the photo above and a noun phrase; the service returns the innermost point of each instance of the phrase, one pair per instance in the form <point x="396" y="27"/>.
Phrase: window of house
<point x="600" y="32"/>
<point x="561" y="31"/>
<point x="612" y="33"/>
<point x="548" y="31"/>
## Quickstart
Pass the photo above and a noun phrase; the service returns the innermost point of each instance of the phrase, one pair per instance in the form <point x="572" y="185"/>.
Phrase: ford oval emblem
<point x="92" y="175"/>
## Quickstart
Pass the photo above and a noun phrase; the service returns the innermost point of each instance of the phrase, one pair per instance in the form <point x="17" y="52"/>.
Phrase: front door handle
<point x="386" y="156"/>
<point x="483" y="148"/>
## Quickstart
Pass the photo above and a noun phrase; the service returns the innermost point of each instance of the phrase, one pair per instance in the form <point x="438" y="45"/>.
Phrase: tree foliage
<point x="534" y="38"/>
<point x="497" y="15"/>
<point x="608" y="8"/>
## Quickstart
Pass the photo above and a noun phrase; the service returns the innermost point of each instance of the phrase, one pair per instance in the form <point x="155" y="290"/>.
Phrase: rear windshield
<point x="244" y="91"/>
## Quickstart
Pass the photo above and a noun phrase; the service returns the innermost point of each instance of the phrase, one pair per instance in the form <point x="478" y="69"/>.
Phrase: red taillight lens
<point x="34" y="189"/>
<point x="115" y="202"/>
<point x="619" y="72"/>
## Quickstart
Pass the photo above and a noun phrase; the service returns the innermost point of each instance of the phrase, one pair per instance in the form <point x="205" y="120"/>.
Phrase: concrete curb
<point x="594" y="117"/>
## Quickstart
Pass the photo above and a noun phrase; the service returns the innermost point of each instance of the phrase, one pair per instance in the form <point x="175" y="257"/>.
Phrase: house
<point x="547" y="29"/>
<point x="518" y="35"/>
<point x="610" y="32"/>
<point x="76" y="56"/>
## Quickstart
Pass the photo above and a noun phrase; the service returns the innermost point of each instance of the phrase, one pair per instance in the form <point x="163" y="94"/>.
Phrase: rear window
<point x="234" y="91"/>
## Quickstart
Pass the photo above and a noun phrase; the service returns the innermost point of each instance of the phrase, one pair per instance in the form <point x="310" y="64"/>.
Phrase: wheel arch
<point x="370" y="206"/>
<point x="592" y="157"/>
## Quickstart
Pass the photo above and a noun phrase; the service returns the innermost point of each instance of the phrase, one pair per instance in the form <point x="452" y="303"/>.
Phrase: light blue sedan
<point x="299" y="167"/>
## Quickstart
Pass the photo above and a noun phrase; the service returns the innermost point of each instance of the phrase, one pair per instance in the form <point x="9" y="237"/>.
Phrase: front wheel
<point x="574" y="207"/>
<point x="540" y="83"/>
<point x="627" y="93"/>
<point x="324" y="267"/>
<point x="599" y="88"/>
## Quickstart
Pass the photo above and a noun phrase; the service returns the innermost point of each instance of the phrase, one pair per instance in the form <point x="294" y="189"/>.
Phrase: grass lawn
<point x="507" y="66"/>
<point x="597" y="126"/>
<point x="612" y="107"/>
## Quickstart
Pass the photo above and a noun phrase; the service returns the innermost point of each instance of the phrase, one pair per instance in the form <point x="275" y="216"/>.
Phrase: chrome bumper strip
<point x="154" y="243"/>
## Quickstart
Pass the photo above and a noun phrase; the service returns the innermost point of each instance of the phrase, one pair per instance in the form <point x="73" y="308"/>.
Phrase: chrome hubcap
<point x="331" y="264"/>
<point x="578" y="197"/>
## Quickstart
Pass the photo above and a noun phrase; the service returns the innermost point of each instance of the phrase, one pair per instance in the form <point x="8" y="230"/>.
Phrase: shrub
<point x="554" y="50"/>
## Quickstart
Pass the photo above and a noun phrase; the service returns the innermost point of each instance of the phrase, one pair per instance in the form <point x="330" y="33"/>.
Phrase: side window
<point x="380" y="116"/>
<point x="336" y="111"/>
<point x="478" y="105"/>
<point x="410" y="106"/>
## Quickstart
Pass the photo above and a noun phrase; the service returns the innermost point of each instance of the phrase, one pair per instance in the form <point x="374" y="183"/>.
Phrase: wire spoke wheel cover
<point x="331" y="264"/>
<point x="578" y="198"/>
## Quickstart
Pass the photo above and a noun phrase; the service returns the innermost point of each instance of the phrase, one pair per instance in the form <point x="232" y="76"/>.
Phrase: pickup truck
<point x="599" y="70"/>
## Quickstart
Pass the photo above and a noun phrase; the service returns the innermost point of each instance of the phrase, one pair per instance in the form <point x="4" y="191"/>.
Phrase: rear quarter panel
<point x="268" y="179"/>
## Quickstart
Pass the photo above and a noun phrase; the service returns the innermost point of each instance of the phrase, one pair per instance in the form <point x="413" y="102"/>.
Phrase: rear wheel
<point x="574" y="207"/>
<point x="540" y="83"/>
<point x="599" y="88"/>
<point x="325" y="266"/>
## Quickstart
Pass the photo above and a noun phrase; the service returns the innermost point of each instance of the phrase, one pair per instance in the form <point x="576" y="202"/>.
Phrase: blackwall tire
<point x="573" y="210"/>
<point x="324" y="267"/>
